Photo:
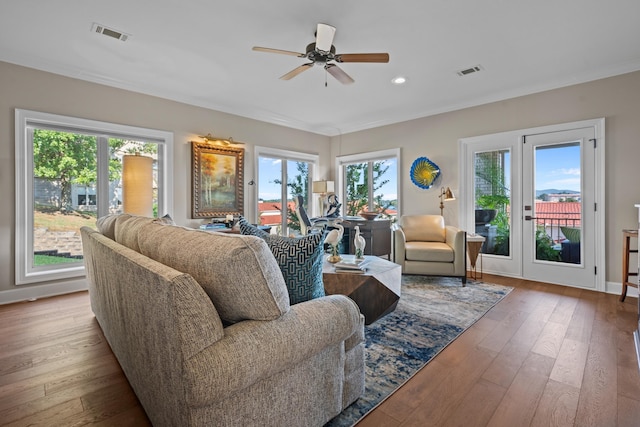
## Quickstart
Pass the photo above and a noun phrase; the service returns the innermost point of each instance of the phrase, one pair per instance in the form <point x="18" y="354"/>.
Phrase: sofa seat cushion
<point x="428" y="252"/>
<point x="299" y="258"/>
<point x="238" y="273"/>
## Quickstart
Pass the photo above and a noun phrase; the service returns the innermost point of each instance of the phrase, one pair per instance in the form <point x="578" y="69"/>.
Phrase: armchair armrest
<point x="253" y="350"/>
<point x="398" y="242"/>
<point x="457" y="239"/>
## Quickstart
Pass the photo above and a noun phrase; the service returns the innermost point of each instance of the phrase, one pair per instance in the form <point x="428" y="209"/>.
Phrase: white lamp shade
<point x="137" y="185"/>
<point x="322" y="187"/>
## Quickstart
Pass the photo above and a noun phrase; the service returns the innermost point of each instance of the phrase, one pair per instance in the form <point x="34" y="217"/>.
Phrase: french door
<point x="534" y="195"/>
<point x="559" y="229"/>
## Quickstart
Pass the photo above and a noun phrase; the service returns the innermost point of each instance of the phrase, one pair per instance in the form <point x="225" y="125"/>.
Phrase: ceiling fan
<point x="323" y="52"/>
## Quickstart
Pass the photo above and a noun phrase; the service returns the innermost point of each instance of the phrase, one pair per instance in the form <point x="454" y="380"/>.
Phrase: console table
<point x="377" y="234"/>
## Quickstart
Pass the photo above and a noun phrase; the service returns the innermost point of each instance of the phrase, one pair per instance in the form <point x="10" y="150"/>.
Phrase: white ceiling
<point x="199" y="52"/>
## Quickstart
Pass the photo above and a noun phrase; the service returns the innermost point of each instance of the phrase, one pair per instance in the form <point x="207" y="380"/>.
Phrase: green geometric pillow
<point x="299" y="258"/>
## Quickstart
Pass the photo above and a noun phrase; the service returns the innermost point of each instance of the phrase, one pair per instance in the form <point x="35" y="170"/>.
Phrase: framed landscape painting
<point x="217" y="180"/>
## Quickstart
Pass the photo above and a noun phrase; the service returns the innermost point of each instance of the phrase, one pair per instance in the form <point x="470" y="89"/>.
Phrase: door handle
<point x="529" y="217"/>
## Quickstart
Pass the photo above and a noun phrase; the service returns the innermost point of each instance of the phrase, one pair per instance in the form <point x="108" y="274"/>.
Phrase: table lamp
<point x="322" y="188"/>
<point x="137" y="185"/>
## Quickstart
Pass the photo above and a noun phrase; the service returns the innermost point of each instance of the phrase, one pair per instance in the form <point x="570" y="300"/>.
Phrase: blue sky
<point x="558" y="168"/>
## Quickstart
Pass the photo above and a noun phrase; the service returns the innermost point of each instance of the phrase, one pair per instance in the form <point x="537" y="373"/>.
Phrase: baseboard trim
<point x="30" y="293"/>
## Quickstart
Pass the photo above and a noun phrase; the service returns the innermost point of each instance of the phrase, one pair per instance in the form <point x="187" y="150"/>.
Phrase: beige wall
<point x="436" y="137"/>
<point x="35" y="90"/>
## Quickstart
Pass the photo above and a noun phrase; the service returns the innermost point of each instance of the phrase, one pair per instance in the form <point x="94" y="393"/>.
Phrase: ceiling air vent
<point x="110" y="32"/>
<point x="470" y="70"/>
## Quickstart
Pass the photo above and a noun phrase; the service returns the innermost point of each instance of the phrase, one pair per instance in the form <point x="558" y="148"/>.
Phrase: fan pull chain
<point x="325" y="76"/>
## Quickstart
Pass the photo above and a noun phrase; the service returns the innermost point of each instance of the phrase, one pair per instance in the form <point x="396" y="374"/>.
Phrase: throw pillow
<point x="299" y="258"/>
<point x="165" y="220"/>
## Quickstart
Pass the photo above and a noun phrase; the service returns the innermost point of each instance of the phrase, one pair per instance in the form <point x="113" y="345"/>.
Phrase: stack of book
<point x="213" y="226"/>
<point x="351" y="266"/>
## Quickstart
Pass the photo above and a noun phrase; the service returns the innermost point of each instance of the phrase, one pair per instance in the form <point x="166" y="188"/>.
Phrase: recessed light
<point x="399" y="80"/>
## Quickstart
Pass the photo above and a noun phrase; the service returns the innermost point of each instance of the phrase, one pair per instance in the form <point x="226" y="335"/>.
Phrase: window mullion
<point x="102" y="186"/>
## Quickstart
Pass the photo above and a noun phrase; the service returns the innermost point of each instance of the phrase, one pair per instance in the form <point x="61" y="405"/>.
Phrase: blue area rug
<point x="431" y="313"/>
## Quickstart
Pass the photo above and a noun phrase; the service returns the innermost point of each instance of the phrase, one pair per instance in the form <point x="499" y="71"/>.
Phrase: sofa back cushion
<point x="424" y="228"/>
<point x="239" y="273"/>
<point x="106" y="225"/>
<point x="127" y="228"/>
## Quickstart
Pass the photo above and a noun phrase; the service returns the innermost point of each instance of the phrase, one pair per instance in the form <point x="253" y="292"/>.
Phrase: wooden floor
<point x="545" y="356"/>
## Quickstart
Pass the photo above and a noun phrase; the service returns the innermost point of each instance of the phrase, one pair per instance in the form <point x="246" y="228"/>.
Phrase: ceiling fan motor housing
<point x="316" y="55"/>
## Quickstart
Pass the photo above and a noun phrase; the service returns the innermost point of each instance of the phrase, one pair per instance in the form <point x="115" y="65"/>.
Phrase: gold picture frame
<point x="217" y="180"/>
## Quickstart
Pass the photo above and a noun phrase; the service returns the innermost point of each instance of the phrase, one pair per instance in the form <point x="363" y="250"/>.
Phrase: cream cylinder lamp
<point x="137" y="185"/>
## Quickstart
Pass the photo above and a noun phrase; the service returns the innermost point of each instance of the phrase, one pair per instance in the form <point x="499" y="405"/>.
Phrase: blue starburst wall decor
<point x="424" y="172"/>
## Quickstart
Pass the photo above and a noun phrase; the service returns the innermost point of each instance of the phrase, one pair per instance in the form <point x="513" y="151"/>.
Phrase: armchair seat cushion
<point x="429" y="252"/>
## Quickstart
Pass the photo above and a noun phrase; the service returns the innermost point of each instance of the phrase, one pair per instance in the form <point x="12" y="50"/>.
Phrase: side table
<point x="376" y="291"/>
<point x="474" y="246"/>
<point x="626" y="250"/>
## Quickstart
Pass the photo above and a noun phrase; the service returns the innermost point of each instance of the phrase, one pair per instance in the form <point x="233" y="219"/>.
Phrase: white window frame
<point x="284" y="155"/>
<point x="25" y="121"/>
<point x="342" y="161"/>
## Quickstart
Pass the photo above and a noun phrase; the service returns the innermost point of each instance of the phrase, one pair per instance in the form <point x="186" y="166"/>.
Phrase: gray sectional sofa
<point x="202" y="326"/>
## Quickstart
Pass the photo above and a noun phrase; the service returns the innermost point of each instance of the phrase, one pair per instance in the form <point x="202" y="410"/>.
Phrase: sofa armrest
<point x="457" y="239"/>
<point x="397" y="250"/>
<point x="253" y="350"/>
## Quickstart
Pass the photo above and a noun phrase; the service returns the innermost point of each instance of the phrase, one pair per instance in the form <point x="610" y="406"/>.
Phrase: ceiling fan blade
<point x="339" y="74"/>
<point x="280" y="51"/>
<point x="291" y="74"/>
<point x="324" y="37"/>
<point x="363" y="57"/>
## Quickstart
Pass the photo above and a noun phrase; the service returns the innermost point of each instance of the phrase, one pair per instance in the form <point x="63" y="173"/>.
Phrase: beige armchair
<point x="423" y="244"/>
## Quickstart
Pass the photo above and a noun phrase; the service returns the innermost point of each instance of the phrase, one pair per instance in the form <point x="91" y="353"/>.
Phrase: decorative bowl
<point x="369" y="216"/>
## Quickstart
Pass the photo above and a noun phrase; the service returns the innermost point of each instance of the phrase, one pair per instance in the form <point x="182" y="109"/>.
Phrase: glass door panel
<point x="492" y="178"/>
<point x="558" y="213"/>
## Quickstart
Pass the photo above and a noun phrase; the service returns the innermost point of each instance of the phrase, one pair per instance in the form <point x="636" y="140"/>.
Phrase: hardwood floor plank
<point x="570" y="363"/>
<point x="550" y="340"/>
<point x="557" y="407"/>
<point x="598" y="404"/>
<point x="581" y="323"/>
<point x="506" y="365"/>
<point x="411" y="395"/>
<point x="628" y="412"/>
<point x="563" y="311"/>
<point x="521" y="399"/>
<point x="477" y="406"/>
<point x="440" y="405"/>
<point x="498" y="338"/>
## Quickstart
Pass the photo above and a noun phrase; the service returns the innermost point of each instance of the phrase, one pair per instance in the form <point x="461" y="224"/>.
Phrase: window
<point x="369" y="182"/>
<point x="68" y="173"/>
<point x="276" y="167"/>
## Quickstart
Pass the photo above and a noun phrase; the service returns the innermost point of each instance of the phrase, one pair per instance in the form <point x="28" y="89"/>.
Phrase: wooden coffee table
<point x="376" y="292"/>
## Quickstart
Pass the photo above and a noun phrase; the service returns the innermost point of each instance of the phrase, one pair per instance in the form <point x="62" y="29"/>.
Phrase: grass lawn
<point x="53" y="260"/>
<point x="56" y="221"/>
